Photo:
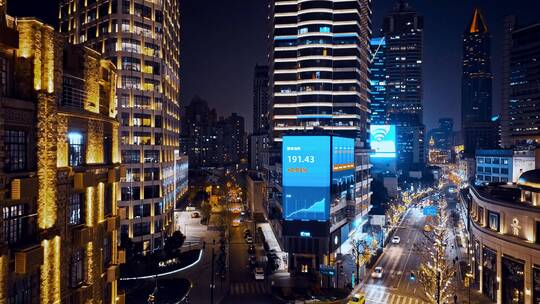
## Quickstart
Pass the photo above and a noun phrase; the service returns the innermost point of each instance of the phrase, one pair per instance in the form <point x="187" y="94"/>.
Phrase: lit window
<point x="76" y="149"/>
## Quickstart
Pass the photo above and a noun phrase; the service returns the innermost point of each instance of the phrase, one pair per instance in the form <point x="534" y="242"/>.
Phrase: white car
<point x="249" y="239"/>
<point x="377" y="273"/>
<point x="259" y="273"/>
<point x="396" y="239"/>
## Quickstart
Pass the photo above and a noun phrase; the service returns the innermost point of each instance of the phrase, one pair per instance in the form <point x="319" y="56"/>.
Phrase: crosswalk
<point x="375" y="296"/>
<point x="243" y="288"/>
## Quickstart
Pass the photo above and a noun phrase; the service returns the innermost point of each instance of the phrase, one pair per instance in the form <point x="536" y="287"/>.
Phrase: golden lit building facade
<point x="59" y="169"/>
<point x="141" y="37"/>
<point x="505" y="239"/>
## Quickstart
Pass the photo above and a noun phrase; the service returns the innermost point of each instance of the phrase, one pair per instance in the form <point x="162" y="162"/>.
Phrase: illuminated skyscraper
<point x="479" y="132"/>
<point x="403" y="32"/>
<point x="142" y="40"/>
<point x="379" y="114"/>
<point x="319" y="66"/>
<point x="520" y="123"/>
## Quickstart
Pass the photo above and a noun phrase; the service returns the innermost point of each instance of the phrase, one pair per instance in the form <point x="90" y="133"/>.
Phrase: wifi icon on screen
<point x="380" y="133"/>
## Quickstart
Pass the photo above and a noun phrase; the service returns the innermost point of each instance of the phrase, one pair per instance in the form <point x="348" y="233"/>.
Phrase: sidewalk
<point x="200" y="274"/>
<point x="460" y="251"/>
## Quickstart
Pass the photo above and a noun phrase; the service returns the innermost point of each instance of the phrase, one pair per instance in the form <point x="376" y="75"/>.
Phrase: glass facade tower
<point x="141" y="38"/>
<point x="378" y="82"/>
<point x="403" y="32"/>
<point x="319" y="84"/>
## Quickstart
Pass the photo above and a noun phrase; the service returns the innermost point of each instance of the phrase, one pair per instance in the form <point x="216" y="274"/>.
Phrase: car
<point x="377" y="273"/>
<point x="251" y="249"/>
<point x="427" y="228"/>
<point x="396" y="239"/>
<point x="358" y="298"/>
<point x="247" y="232"/>
<point x="249" y="239"/>
<point x="259" y="273"/>
<point x="195" y="215"/>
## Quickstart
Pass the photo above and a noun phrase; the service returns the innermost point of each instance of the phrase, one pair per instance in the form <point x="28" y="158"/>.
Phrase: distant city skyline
<point x="222" y="72"/>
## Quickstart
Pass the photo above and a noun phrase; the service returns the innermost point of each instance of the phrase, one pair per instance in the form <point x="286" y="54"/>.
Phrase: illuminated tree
<point x="436" y="272"/>
<point x="363" y="250"/>
<point x="394" y="213"/>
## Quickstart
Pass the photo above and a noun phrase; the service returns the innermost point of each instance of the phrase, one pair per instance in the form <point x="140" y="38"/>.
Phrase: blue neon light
<point x="383" y="141"/>
<point x="306" y="177"/>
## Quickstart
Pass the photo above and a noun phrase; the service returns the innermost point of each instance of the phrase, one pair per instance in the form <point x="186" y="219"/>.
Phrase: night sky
<point x="222" y="40"/>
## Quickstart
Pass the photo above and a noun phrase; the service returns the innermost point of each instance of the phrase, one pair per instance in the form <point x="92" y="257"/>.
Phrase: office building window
<point x="142" y="120"/>
<point x="141" y="229"/>
<point x="133" y="175"/>
<point x="494" y="220"/>
<point x="151" y="156"/>
<point x="151" y="174"/>
<point x="131" y="156"/>
<point x="24" y="290"/>
<point x="15" y="148"/>
<point x="130" y="193"/>
<point x="76" y="149"/>
<point x="107" y="250"/>
<point x="76" y="268"/>
<point x="141" y="210"/>
<point x="151" y="191"/>
<point x="3" y="76"/>
<point x="14" y="223"/>
<point x="75" y="208"/>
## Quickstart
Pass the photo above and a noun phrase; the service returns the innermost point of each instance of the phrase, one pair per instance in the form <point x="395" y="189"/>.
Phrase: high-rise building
<point x="479" y="132"/>
<point x="319" y="66"/>
<point x="521" y="74"/>
<point x="258" y="140"/>
<point x="260" y="99"/>
<point x="403" y="33"/>
<point x="379" y="113"/>
<point x="209" y="141"/>
<point x="443" y="135"/>
<point x="142" y="40"/>
<point x="59" y="168"/>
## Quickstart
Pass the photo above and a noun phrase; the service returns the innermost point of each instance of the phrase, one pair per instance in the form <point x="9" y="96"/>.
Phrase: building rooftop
<point x="530" y="179"/>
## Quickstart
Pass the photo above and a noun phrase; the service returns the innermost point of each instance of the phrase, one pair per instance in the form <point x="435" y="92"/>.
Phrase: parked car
<point x="358" y="298"/>
<point x="396" y="239"/>
<point x="249" y="239"/>
<point x="377" y="273"/>
<point x="259" y="273"/>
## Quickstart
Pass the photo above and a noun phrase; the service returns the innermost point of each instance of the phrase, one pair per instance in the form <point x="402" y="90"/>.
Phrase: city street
<point x="398" y="261"/>
<point x="243" y="285"/>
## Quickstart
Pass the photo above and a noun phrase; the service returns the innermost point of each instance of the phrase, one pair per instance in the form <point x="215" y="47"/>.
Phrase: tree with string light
<point x="436" y="272"/>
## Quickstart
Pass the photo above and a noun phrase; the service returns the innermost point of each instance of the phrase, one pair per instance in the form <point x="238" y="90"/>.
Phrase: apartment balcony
<point x="25" y="188"/>
<point x="82" y="235"/>
<point x="27" y="259"/>
<point x="112" y="223"/>
<point x="113" y="273"/>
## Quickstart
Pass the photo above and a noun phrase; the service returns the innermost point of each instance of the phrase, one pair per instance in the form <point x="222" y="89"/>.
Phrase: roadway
<point x="243" y="286"/>
<point x="398" y="261"/>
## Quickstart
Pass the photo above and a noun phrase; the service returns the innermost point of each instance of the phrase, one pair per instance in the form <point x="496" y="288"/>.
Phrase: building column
<point x="528" y="282"/>
<point x="499" y="276"/>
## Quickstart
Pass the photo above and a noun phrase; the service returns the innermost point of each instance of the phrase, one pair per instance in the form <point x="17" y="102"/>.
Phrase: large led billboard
<point x="342" y="160"/>
<point x="383" y="141"/>
<point x="306" y="177"/>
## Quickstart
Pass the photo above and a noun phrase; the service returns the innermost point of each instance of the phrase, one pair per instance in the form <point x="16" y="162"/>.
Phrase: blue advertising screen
<point x="383" y="141"/>
<point x="342" y="160"/>
<point x="306" y="177"/>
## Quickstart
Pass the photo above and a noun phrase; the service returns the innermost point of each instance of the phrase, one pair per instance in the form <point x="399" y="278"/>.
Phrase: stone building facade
<point x="59" y="169"/>
<point x="505" y="239"/>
